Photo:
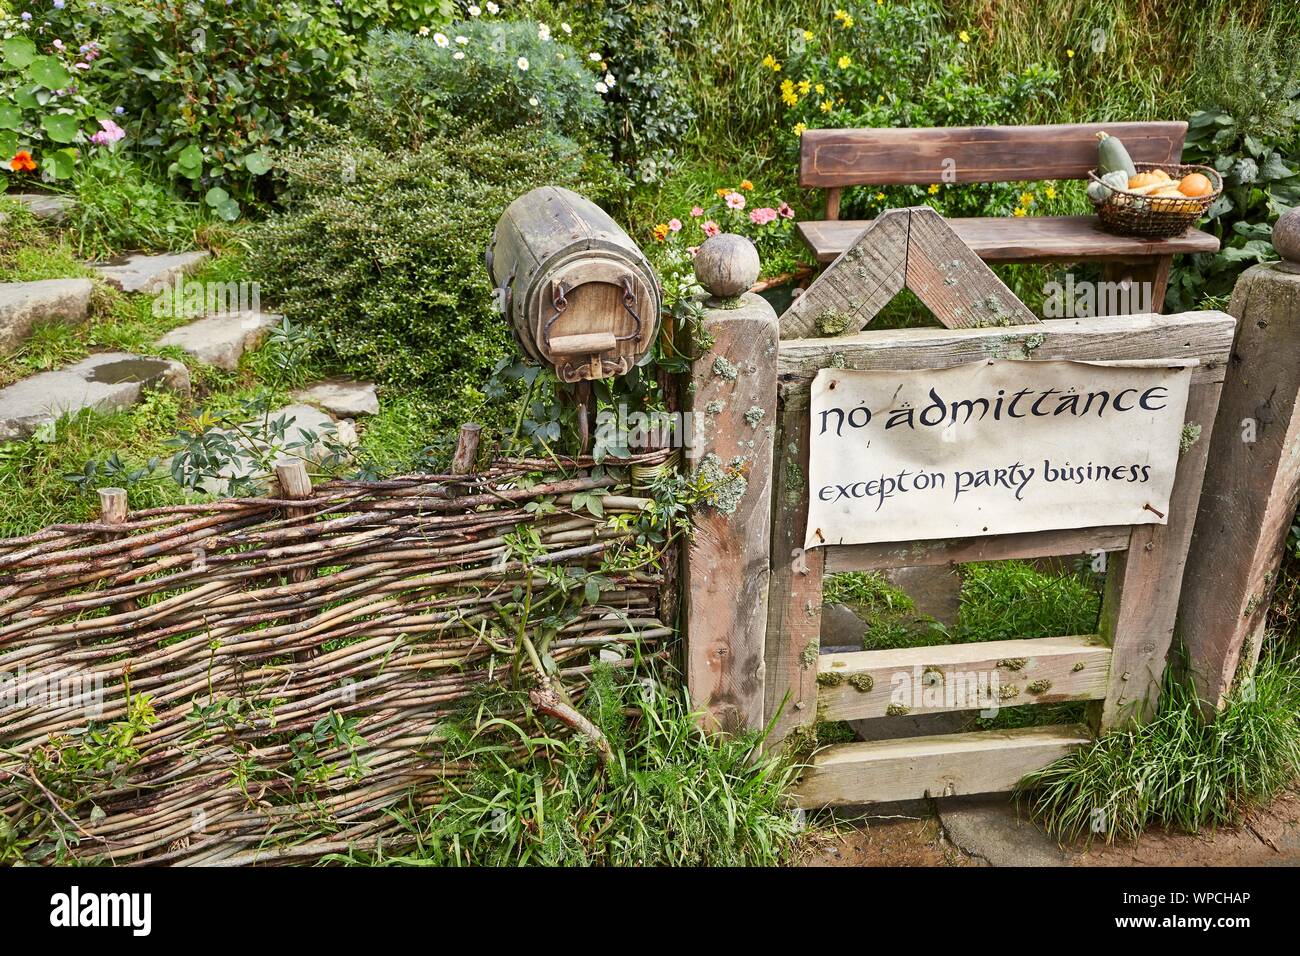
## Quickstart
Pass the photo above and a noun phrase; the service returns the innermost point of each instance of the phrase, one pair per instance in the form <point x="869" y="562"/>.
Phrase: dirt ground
<point x="1269" y="836"/>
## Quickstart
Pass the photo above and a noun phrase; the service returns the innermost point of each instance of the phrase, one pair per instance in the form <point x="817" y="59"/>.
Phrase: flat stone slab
<point x="106" y="382"/>
<point x="341" y="397"/>
<point x="25" y="304"/>
<point x="222" y="339"/>
<point x="991" y="828"/>
<point x="42" y="205"/>
<point x="300" y="419"/>
<point x="148" y="274"/>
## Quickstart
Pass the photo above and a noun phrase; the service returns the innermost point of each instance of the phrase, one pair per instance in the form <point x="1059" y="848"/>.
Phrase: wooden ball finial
<point x="1286" y="239"/>
<point x="727" y="265"/>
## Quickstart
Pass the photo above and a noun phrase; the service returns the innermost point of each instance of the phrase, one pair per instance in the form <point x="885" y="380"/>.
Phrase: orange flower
<point x="661" y="231"/>
<point x="22" y="162"/>
<point x="746" y="185"/>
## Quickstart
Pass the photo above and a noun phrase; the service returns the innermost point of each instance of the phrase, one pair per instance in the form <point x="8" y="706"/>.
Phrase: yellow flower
<point x="789" y="98"/>
<point x="799" y="128"/>
<point x="722" y="190"/>
<point x="841" y="14"/>
<point x="769" y="61"/>
<point x="1026" y="199"/>
<point x="880" y="98"/>
<point x="808" y="34"/>
<point x="1070" y="54"/>
<point x="820" y="88"/>
<point x="880" y="197"/>
<point x="964" y="37"/>
<point x="845" y="62"/>
<point x="804" y="87"/>
<point x="847" y="23"/>
<point x="934" y="188"/>
<point x="1017" y="211"/>
<point x="826" y="106"/>
<point x="746" y="184"/>
<point x="661" y="232"/>
<point x="1050" y="192"/>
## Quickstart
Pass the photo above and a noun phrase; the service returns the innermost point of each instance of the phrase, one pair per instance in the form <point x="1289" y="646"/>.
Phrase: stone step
<point x="24" y="304"/>
<point x="108" y="381"/>
<point x="41" y="205"/>
<point x="148" y="274"/>
<point x="222" y="339"/>
<point x="343" y="397"/>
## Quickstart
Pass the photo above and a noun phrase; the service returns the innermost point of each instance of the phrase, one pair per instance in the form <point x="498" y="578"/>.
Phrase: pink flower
<point x="710" y="228"/>
<point x="735" y="201"/>
<point x="785" y="211"/>
<point x="761" y="217"/>
<point x="675" y="225"/>
<point x="108" y="134"/>
<point x="692" y="250"/>
<point x="697" y="211"/>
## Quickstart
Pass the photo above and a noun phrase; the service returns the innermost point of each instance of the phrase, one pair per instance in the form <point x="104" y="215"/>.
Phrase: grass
<point x="671" y="795"/>
<point x="1010" y="600"/>
<point x="1178" y="771"/>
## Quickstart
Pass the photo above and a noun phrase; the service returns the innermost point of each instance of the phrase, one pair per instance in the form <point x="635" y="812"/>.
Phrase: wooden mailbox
<point x="579" y="293"/>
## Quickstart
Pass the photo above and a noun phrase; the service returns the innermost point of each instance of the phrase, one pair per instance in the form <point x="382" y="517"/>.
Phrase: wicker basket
<point x="1155" y="217"/>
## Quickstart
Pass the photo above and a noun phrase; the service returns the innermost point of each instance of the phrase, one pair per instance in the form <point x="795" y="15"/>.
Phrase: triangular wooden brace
<point x="909" y="248"/>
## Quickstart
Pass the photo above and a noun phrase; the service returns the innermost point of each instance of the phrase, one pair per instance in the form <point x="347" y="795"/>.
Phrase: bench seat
<point x="1022" y="239"/>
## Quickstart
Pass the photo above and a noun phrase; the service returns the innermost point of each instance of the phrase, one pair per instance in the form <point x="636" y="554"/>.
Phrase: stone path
<point x="23" y="305"/>
<point x="42" y="205"/>
<point x="222" y="339"/>
<point x="148" y="274"/>
<point x="342" y="397"/>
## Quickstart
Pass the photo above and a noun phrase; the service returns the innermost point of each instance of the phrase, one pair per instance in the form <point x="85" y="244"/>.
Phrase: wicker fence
<point x="261" y="679"/>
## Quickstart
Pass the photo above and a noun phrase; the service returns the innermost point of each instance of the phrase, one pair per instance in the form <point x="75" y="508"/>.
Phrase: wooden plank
<point x="974" y="154"/>
<point x="727" y="564"/>
<point x="1028" y="239"/>
<point x="794" y="608"/>
<point x="1028" y="544"/>
<point x="989" y="761"/>
<point x="1203" y="337"/>
<point x="1251" y="487"/>
<point x="952" y="282"/>
<point x="992" y="674"/>
<point x="1140" y="601"/>
<point x="857" y="285"/>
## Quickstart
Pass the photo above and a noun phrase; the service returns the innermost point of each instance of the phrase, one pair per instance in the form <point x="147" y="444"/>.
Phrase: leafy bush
<point x="50" y="105"/>
<point x="383" y="251"/>
<point x="493" y="72"/>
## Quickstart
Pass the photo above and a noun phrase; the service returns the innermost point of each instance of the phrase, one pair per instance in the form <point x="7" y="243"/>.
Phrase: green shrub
<point x="383" y="251"/>
<point x="494" y="72"/>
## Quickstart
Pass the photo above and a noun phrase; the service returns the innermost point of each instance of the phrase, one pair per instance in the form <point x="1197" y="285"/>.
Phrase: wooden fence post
<point x="732" y="396"/>
<point x="295" y="484"/>
<point x="463" y="461"/>
<point x="1252" y="482"/>
<point x="113" y="511"/>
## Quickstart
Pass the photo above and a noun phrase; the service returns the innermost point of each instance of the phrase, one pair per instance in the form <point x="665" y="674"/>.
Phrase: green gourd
<point x="1112" y="156"/>
<point x="1100" y="191"/>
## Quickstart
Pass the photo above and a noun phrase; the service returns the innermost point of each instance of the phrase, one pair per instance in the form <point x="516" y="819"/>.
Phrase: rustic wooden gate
<point x="1118" y="670"/>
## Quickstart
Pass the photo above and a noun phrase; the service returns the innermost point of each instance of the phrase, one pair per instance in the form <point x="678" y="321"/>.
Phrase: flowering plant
<point x="49" y="108"/>
<point x="763" y="218"/>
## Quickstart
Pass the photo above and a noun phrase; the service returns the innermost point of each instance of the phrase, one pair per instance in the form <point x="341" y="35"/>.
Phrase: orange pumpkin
<point x="1196" y="184"/>
<point x="1143" y="179"/>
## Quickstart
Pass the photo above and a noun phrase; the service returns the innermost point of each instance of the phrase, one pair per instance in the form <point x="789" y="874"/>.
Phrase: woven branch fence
<point x="236" y="627"/>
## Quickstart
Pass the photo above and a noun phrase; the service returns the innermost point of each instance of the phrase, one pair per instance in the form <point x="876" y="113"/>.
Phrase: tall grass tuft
<point x="1177" y="771"/>
<point x="671" y="795"/>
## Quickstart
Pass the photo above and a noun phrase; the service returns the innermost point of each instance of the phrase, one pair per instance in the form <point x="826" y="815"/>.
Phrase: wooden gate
<point x="1117" y="670"/>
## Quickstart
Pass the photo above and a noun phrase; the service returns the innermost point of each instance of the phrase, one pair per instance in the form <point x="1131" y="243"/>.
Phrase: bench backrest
<point x="835" y="158"/>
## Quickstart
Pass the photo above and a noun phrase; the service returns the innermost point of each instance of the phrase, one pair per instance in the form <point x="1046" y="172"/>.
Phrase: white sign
<point x="993" y="447"/>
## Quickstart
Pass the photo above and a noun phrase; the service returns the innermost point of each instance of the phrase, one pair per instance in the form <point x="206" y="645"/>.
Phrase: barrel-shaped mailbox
<point x="578" y="292"/>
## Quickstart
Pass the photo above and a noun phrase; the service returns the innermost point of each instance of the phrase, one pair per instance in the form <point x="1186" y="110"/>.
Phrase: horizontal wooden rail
<point x="961" y="677"/>
<point x="1029" y="544"/>
<point x="988" y="761"/>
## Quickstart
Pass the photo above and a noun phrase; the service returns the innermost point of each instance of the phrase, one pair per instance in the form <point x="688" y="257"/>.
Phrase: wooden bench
<point x="834" y="158"/>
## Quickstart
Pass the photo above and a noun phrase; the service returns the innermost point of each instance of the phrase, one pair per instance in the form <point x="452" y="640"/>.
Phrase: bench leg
<point x="1153" y="270"/>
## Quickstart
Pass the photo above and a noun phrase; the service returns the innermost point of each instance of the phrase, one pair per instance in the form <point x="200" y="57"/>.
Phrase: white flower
<point x="522" y="63"/>
<point x="566" y="28"/>
<point x="609" y="79"/>
<point x="593" y="57"/>
<point x="532" y="101"/>
<point x="462" y="40"/>
<point x="601" y="88"/>
<point x="474" y="10"/>
<point x="458" y="55"/>
<point x="492" y="8"/>
<point x="543" y="32"/>
<point x="423" y="31"/>
<point x="440" y="39"/>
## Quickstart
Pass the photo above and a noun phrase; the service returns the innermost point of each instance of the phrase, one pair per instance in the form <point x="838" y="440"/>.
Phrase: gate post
<point x="732" y="398"/>
<point x="1252" y="481"/>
